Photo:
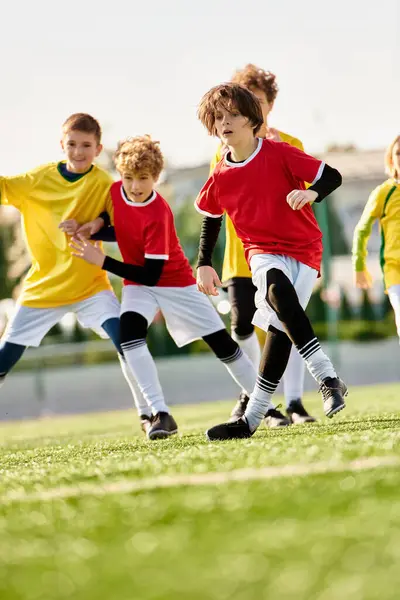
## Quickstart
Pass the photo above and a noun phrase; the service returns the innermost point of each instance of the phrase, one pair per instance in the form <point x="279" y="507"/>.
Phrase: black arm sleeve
<point x="106" y="218"/>
<point x="208" y="238"/>
<point x="327" y="183"/>
<point x="105" y="234"/>
<point x="149" y="274"/>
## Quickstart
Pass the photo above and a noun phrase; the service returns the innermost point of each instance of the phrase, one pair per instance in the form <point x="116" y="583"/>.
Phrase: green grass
<point x="65" y="532"/>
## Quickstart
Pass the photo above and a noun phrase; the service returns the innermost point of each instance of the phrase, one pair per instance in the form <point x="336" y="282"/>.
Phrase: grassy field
<point x="89" y="510"/>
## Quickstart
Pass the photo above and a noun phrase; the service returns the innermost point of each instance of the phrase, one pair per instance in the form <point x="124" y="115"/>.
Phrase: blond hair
<point x="139" y="155"/>
<point x="389" y="166"/>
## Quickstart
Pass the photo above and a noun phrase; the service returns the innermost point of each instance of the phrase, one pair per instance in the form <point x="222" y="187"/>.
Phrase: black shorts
<point x="241" y="291"/>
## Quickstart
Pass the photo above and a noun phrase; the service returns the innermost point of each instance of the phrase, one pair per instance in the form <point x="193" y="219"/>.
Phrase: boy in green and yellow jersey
<point x="383" y="205"/>
<point x="69" y="193"/>
<point x="236" y="275"/>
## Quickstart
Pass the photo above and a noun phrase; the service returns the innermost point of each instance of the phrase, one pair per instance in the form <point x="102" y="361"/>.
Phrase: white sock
<point x="293" y="379"/>
<point x="251" y="347"/>
<point x="260" y="402"/>
<point x="144" y="370"/>
<point x="241" y="369"/>
<point x="141" y="405"/>
<point x="318" y="363"/>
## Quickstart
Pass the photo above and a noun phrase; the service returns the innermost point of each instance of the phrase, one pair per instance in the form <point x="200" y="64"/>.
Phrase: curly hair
<point x="390" y="169"/>
<point x="229" y="95"/>
<point x="138" y="155"/>
<point x="83" y="122"/>
<point x="252" y="77"/>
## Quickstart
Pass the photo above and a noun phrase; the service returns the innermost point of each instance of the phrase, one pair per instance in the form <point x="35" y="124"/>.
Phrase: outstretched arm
<point x="149" y="274"/>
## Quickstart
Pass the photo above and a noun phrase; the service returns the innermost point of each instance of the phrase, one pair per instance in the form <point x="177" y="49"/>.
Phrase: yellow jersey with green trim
<point x="383" y="205"/>
<point x="235" y="264"/>
<point x="45" y="198"/>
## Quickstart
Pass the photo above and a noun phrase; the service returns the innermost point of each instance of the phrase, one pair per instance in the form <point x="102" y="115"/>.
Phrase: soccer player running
<point x="236" y="275"/>
<point x="259" y="184"/>
<point x="157" y="276"/>
<point x="72" y="192"/>
<point x="383" y="205"/>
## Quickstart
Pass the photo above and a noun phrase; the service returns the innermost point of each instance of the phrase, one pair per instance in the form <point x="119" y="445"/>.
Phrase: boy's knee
<point x="281" y="295"/>
<point x="133" y="326"/>
<point x="242" y="329"/>
<point x="221" y="344"/>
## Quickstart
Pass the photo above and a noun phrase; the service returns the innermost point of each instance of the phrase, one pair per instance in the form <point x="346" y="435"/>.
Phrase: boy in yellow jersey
<point x="71" y="192"/>
<point x="383" y="205"/>
<point x="236" y="275"/>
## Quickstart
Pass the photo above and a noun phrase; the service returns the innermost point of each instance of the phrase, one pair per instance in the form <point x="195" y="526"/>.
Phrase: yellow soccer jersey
<point x="45" y="198"/>
<point x="384" y="205"/>
<point x="235" y="264"/>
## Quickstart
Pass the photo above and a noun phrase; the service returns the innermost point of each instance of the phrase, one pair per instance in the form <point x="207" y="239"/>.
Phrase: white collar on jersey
<point x="245" y="162"/>
<point x="137" y="204"/>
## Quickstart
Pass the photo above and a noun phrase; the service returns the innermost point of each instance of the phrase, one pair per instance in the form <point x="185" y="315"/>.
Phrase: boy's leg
<point x="190" y="316"/>
<point x="9" y="356"/>
<point x="113" y="329"/>
<point x="394" y="297"/>
<point x="293" y="387"/>
<point x="241" y="297"/>
<point x="100" y="312"/>
<point x="241" y="291"/>
<point x="273" y="363"/>
<point x="143" y="367"/>
<point x="276" y="289"/>
<point x="281" y="296"/>
<point x="27" y="327"/>
<point x="238" y="364"/>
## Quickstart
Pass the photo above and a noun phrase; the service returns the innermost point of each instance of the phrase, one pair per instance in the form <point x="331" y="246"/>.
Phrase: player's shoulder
<point x="43" y="170"/>
<point x="291" y="140"/>
<point x="116" y="186"/>
<point x="384" y="187"/>
<point x="160" y="203"/>
<point x="102" y="175"/>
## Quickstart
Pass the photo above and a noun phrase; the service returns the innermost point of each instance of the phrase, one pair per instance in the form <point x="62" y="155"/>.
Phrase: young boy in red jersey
<point x="260" y="185"/>
<point x="157" y="276"/>
<point x="236" y="275"/>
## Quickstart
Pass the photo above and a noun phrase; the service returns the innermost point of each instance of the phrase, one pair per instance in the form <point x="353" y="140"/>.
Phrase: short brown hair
<point x="252" y="77"/>
<point x="228" y="96"/>
<point x="139" y="154"/>
<point x="83" y="122"/>
<point x="389" y="166"/>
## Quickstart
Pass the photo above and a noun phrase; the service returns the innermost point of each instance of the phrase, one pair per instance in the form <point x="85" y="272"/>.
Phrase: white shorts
<point x="28" y="326"/>
<point x="300" y="275"/>
<point x="189" y="314"/>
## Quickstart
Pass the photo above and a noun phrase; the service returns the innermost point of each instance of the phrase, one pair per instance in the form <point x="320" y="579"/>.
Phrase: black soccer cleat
<point x="233" y="430"/>
<point x="333" y="392"/>
<point x="274" y="418"/>
<point x="163" y="425"/>
<point x="146" y="423"/>
<point x="239" y="408"/>
<point x="297" y="414"/>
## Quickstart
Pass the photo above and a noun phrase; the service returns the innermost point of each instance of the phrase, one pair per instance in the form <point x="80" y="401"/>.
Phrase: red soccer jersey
<point x="253" y="194"/>
<point x="146" y="230"/>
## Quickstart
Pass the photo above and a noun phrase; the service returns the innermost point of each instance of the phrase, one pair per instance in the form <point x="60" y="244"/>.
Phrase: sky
<point x="142" y="67"/>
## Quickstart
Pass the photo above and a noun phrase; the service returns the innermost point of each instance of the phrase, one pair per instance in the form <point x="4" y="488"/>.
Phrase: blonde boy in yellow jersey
<point x="236" y="275"/>
<point x="383" y="205"/>
<point x="54" y="200"/>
